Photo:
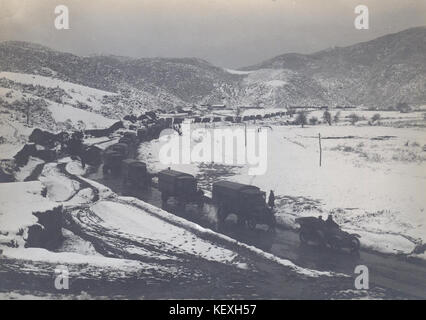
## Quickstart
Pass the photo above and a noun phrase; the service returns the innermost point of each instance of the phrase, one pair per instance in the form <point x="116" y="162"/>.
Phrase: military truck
<point x="112" y="161"/>
<point x="135" y="173"/>
<point x="153" y="131"/>
<point x="142" y="134"/>
<point x="121" y="148"/>
<point x="182" y="186"/>
<point x="130" y="138"/>
<point x="247" y="202"/>
<point x="113" y="156"/>
<point x="92" y="155"/>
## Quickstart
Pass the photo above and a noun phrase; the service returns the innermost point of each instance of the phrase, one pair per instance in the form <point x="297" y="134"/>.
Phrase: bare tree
<point x="301" y="118"/>
<point x="403" y="107"/>
<point x="353" y="118"/>
<point x="375" y="117"/>
<point x="337" y="117"/>
<point x="327" y="117"/>
<point x="313" y="120"/>
<point x="27" y="105"/>
<point x="238" y="112"/>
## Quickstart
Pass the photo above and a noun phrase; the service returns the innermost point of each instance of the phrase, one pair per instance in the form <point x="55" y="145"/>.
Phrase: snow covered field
<point x="63" y="113"/>
<point x="372" y="179"/>
<point x="14" y="221"/>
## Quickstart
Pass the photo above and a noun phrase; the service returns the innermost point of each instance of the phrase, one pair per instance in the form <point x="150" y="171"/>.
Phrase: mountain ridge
<point x="378" y="73"/>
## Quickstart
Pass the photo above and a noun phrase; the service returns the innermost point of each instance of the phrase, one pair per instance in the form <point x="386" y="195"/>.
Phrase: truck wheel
<point x="251" y="223"/>
<point x="320" y="239"/>
<point x="164" y="197"/>
<point x="333" y="242"/>
<point x="272" y="223"/>
<point x="354" y="244"/>
<point x="221" y="215"/>
<point x="303" y="236"/>
<point x="271" y="229"/>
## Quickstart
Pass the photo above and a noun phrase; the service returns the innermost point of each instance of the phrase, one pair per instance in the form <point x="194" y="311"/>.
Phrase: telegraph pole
<point x="320" y="148"/>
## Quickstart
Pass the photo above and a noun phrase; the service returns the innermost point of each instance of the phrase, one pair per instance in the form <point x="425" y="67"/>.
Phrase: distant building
<point x="188" y="110"/>
<point x="218" y="106"/>
<point x="250" y="107"/>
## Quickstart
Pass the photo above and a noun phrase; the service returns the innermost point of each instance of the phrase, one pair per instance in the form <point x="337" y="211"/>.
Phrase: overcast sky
<point x="229" y="33"/>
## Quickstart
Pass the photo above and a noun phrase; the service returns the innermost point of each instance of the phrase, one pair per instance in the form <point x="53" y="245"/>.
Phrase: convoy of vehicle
<point x="246" y="202"/>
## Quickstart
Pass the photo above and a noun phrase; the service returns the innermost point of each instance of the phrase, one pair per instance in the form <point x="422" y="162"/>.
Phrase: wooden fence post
<point x="320" y="148"/>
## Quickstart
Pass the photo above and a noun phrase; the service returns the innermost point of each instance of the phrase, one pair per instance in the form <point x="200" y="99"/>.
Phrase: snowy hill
<point x="381" y="72"/>
<point x="377" y="73"/>
<point x="166" y="82"/>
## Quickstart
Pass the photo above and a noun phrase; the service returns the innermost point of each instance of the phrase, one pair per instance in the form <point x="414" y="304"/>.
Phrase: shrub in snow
<point x="301" y="119"/>
<point x="337" y="117"/>
<point x="313" y="120"/>
<point x="327" y="117"/>
<point x="403" y="107"/>
<point x="375" y="117"/>
<point x="353" y="118"/>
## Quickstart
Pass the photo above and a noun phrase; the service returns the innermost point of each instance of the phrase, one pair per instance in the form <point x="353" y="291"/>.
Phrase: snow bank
<point x="26" y="171"/>
<point x="386" y="243"/>
<point x="74" y="243"/>
<point x="18" y="203"/>
<point x="140" y="223"/>
<point x="103" y="191"/>
<point x="207" y="233"/>
<point x="59" y="187"/>
<point x="71" y="258"/>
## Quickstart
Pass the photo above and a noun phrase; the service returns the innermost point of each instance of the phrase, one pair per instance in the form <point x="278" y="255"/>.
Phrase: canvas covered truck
<point x="142" y="134"/>
<point x="135" y="173"/>
<point x="130" y="138"/>
<point x="113" y="157"/>
<point x="182" y="186"/>
<point x="247" y="202"/>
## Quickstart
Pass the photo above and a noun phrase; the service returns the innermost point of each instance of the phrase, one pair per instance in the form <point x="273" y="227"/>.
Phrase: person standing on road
<point x="331" y="224"/>
<point x="271" y="200"/>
